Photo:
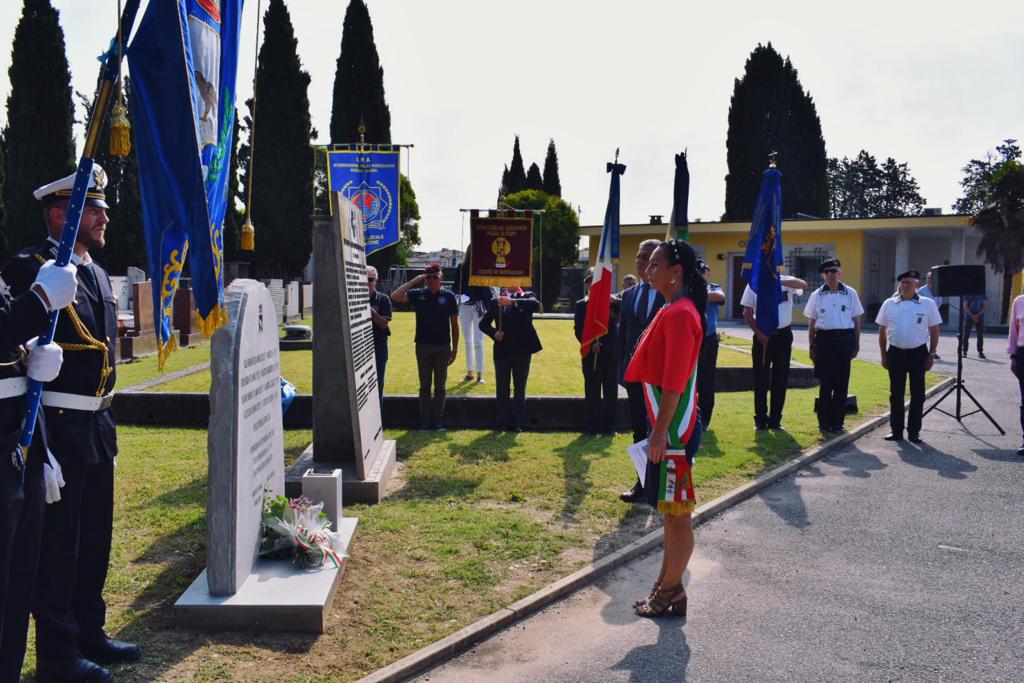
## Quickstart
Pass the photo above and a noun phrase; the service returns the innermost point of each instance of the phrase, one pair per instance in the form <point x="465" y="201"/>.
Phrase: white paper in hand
<point x="638" y="454"/>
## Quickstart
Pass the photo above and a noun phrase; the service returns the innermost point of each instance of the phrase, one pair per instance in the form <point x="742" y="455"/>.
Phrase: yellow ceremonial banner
<point x="501" y="251"/>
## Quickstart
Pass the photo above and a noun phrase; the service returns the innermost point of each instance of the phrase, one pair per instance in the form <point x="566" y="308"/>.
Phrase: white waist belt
<point x="92" y="404"/>
<point x="13" y="386"/>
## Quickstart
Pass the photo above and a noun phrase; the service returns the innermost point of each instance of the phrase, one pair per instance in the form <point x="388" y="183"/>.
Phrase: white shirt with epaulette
<point x="833" y="310"/>
<point x="908" y="321"/>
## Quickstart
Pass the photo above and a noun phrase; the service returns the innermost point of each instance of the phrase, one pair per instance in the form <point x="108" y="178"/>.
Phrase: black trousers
<point x="432" y="363"/>
<point x="706" y="364"/>
<point x="970" y="325"/>
<point x="771" y="372"/>
<point x="514" y="369"/>
<point x="380" y="353"/>
<point x="904" y="363"/>
<point x="69" y="606"/>
<point x="637" y="411"/>
<point x="600" y="391"/>
<point x="21" y="532"/>
<point x="833" y="351"/>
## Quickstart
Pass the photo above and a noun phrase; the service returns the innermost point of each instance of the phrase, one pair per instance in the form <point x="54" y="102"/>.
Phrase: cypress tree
<point x="232" y="218"/>
<point x="552" y="184"/>
<point x="39" y="144"/>
<point x="534" y="181"/>
<point x="516" y="171"/>
<point x="503" y="188"/>
<point x="282" y="174"/>
<point x="359" y="82"/>
<point x="3" y="213"/>
<point x="771" y="112"/>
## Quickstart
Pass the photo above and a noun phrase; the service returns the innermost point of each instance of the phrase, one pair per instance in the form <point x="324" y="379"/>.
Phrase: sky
<point x="931" y="84"/>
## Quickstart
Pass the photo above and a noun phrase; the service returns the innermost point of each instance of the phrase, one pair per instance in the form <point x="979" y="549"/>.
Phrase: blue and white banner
<point x="763" y="262"/>
<point x="184" y="64"/>
<point x="370" y="180"/>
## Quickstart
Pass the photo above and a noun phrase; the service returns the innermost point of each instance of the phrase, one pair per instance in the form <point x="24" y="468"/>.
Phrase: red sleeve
<point x="680" y="347"/>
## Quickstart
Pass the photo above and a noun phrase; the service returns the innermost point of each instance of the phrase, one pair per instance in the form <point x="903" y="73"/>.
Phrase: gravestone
<point x="119" y="286"/>
<point x="291" y="305"/>
<point x="142" y="306"/>
<point x="246" y="461"/>
<point x="347" y="429"/>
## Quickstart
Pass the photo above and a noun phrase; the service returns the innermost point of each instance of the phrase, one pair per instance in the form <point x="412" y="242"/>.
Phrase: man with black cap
<point x="600" y="367"/>
<point x="908" y="334"/>
<point x="437" y="339"/>
<point x="69" y="608"/>
<point x="708" y="360"/>
<point x="833" y="329"/>
<point x="27" y="480"/>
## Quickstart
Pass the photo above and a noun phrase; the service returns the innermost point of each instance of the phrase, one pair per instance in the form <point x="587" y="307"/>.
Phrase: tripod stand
<point x="958" y="385"/>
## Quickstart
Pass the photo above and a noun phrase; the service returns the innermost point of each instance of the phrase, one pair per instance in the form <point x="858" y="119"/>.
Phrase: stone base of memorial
<point x="276" y="596"/>
<point x="246" y="464"/>
<point x="355" y="489"/>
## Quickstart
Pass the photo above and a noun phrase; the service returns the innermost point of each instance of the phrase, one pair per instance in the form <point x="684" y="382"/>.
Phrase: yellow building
<point x="873" y="251"/>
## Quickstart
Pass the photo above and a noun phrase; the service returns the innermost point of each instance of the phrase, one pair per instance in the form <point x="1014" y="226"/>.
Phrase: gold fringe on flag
<point x="248" y="242"/>
<point x="165" y="351"/>
<point x="217" y="318"/>
<point x="673" y="508"/>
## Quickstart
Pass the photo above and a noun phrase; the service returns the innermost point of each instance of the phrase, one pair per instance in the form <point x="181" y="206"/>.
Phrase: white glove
<point x="43" y="361"/>
<point x="53" y="477"/>
<point x="58" y="284"/>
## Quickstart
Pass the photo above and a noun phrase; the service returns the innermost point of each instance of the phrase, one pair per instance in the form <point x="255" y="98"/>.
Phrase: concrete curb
<point x="463" y="639"/>
<point x="191" y="370"/>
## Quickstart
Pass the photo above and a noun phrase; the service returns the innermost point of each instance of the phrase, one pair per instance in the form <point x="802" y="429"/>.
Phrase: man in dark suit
<point x="68" y="606"/>
<point x="639" y="304"/>
<point x="27" y="481"/>
<point x="600" y="367"/>
<point x="509" y="322"/>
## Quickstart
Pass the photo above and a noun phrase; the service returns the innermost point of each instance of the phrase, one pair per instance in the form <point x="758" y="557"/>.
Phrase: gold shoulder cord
<point x="91" y="344"/>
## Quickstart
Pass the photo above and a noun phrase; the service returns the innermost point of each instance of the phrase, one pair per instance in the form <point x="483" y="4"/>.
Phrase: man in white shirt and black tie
<point x="908" y="333"/>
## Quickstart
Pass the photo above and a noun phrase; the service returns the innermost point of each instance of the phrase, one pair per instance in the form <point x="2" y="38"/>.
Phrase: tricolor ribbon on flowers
<point x="317" y="543"/>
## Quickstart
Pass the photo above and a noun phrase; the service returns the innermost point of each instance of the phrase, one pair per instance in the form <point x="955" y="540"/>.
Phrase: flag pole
<point x="110" y="72"/>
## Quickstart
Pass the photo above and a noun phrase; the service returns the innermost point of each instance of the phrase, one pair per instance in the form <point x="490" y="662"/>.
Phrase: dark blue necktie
<point x="645" y="288"/>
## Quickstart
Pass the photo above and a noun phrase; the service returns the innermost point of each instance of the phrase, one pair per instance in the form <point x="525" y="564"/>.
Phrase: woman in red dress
<point x="665" y="361"/>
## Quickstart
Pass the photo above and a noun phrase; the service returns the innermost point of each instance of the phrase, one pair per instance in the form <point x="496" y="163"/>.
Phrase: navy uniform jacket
<point x="633" y="323"/>
<point x="86" y="331"/>
<point x="20" y="320"/>
<point x="517" y="324"/>
<point x="609" y="346"/>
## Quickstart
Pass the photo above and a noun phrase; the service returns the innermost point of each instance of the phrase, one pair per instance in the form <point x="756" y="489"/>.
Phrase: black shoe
<point x="633" y="495"/>
<point x="774" y="424"/>
<point x="425" y="428"/>
<point x="71" y="670"/>
<point x="760" y="424"/>
<point x="611" y="432"/>
<point x="914" y="438"/>
<point x="823" y="428"/>
<point x="893" y="436"/>
<point x="110" y="651"/>
<point x="439" y="427"/>
<point x="516" y="429"/>
<point x="981" y="355"/>
<point x="838" y="429"/>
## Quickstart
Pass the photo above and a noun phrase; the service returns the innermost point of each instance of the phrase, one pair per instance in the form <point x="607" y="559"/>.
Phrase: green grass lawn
<point x="555" y="371"/>
<point x="477" y="520"/>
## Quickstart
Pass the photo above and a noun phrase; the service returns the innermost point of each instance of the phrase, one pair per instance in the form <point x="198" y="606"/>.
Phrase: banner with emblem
<point x="764" y="260"/>
<point x="501" y="250"/>
<point x="184" y="64"/>
<point x="369" y="178"/>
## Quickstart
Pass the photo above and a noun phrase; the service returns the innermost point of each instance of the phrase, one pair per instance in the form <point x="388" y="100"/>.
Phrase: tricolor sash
<point x="681" y="427"/>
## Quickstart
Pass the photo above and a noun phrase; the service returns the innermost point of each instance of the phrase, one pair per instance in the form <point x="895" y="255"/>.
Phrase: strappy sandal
<point x="648" y="597"/>
<point x="664" y="602"/>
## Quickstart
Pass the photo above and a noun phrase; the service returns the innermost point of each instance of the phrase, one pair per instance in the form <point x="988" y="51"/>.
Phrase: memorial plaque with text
<point x="246" y="448"/>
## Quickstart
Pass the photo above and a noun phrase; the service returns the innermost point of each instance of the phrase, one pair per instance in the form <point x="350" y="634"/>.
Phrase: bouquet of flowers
<point x="295" y="528"/>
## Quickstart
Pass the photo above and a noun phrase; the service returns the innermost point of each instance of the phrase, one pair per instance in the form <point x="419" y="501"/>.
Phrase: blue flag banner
<point x="764" y="260"/>
<point x="612" y="225"/>
<point x="184" y="64"/>
<point x="370" y="180"/>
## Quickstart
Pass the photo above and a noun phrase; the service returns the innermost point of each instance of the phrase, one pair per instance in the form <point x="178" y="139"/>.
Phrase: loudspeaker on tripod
<point x="950" y="281"/>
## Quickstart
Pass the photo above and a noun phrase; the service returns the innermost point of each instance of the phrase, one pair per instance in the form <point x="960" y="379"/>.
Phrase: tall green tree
<point x="503" y="188"/>
<point x="770" y="112"/>
<point x="555" y="240"/>
<point x="552" y="183"/>
<point x="861" y="188"/>
<point x="3" y="211"/>
<point x="39" y="143"/>
<point x="282" y="173"/>
<point x="534" y="180"/>
<point x="516" y="171"/>
<point x="979" y="175"/>
<point x="359" y="82"/>
<point x="994" y="189"/>
<point x="233" y="217"/>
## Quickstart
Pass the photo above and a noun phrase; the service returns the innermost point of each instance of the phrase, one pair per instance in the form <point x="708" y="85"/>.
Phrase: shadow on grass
<point x="576" y="457"/>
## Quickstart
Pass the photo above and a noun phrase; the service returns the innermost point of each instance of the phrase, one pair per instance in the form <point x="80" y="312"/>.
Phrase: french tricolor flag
<point x="595" y="325"/>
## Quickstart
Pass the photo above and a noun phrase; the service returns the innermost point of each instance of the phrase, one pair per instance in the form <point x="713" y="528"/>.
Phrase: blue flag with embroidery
<point x="184" y="63"/>
<point x="764" y="261"/>
<point x="370" y="179"/>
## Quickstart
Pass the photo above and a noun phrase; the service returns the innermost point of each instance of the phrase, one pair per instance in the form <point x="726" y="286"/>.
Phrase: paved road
<point x="878" y="563"/>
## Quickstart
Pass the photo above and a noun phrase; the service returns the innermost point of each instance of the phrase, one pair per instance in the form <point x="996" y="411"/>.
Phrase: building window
<point x="802" y="262"/>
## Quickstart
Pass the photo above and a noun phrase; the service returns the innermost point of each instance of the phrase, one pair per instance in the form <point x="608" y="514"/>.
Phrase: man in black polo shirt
<point x="380" y="312"/>
<point x="437" y="339"/>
